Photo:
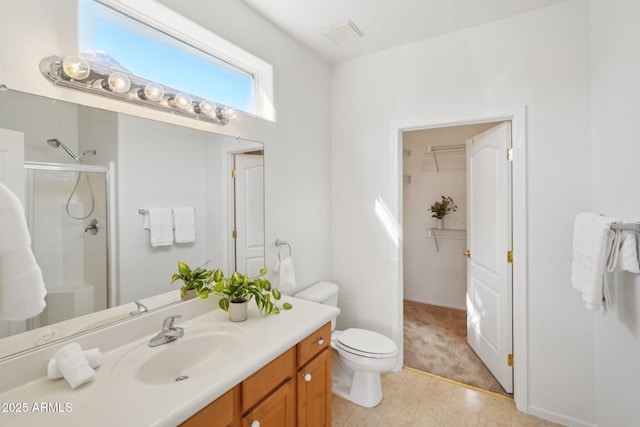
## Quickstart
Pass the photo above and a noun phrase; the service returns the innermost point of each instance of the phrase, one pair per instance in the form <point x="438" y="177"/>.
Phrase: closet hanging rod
<point x="445" y="148"/>
<point x="631" y="226"/>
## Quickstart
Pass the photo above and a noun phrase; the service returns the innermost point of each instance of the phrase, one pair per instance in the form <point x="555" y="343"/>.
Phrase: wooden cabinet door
<point x="314" y="392"/>
<point x="277" y="410"/>
<point x="219" y="413"/>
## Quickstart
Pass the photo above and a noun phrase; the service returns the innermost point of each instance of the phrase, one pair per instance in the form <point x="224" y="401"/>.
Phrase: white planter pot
<point x="439" y="223"/>
<point x="238" y="311"/>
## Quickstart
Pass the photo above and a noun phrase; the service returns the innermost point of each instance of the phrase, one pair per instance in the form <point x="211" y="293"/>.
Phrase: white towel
<point x="627" y="256"/>
<point x="22" y="288"/>
<point x="592" y="247"/>
<point x="74" y="365"/>
<point x="287" y="275"/>
<point x="93" y="356"/>
<point x="184" y="222"/>
<point x="159" y="222"/>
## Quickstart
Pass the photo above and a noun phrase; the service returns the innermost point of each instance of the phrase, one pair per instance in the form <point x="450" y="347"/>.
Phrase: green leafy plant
<point x="443" y="207"/>
<point x="197" y="278"/>
<point x="239" y="288"/>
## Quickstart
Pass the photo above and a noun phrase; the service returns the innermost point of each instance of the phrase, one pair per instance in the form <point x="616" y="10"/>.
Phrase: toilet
<point x="359" y="355"/>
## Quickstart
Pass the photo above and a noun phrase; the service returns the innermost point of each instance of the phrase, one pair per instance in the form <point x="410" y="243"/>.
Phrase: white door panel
<point x="249" y="213"/>
<point x="489" y="274"/>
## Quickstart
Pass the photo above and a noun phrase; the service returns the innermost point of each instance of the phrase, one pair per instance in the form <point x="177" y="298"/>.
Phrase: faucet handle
<point x="168" y="322"/>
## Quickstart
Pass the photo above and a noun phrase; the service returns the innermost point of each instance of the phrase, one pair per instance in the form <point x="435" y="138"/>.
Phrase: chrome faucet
<point x="168" y="333"/>
<point x="141" y="309"/>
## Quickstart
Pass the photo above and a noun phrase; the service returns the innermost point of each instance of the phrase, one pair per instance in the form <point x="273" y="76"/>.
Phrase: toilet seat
<point x="362" y="342"/>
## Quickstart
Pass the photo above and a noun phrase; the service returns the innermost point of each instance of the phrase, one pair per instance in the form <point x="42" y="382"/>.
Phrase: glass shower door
<point x="67" y="216"/>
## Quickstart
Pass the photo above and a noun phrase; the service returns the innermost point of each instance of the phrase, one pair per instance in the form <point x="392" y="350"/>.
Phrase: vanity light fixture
<point x="77" y="73"/>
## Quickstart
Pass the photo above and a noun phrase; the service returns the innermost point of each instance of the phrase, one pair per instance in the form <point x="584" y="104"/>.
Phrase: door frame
<point x="519" y="235"/>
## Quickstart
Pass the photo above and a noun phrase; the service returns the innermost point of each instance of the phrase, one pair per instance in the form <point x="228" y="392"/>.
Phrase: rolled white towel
<point x="94" y="357"/>
<point x="74" y="365"/>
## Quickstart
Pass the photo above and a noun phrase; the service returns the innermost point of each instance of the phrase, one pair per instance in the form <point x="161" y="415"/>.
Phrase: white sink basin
<point x="192" y="356"/>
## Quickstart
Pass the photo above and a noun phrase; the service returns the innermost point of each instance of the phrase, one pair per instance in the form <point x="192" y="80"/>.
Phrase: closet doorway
<point x="436" y="301"/>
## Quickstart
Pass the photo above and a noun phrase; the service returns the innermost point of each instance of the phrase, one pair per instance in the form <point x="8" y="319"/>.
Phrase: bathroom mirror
<point x="90" y="176"/>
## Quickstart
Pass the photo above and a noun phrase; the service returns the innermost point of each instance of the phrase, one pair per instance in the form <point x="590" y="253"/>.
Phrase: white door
<point x="489" y="272"/>
<point x="12" y="175"/>
<point x="249" y="196"/>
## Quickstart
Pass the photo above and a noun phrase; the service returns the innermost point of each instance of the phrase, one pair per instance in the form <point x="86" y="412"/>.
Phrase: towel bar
<point x="631" y="226"/>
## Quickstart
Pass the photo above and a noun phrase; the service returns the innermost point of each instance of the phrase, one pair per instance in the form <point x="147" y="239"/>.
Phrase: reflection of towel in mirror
<point x="287" y="276"/>
<point x="159" y="222"/>
<point x="185" y="224"/>
<point x="22" y="289"/>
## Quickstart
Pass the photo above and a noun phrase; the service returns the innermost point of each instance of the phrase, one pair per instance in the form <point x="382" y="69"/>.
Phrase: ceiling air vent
<point x="344" y="32"/>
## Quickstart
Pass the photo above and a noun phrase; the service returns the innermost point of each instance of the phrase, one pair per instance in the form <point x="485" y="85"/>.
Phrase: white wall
<point x="615" y="67"/>
<point x="539" y="59"/>
<point x="296" y="147"/>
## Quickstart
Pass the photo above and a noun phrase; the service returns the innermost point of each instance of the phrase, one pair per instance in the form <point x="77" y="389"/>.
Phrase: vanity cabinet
<point x="292" y="390"/>
<point x="314" y="379"/>
<point x="219" y="413"/>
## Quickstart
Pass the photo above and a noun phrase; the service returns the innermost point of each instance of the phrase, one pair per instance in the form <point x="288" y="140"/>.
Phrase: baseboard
<point x="439" y="304"/>
<point x="558" y="418"/>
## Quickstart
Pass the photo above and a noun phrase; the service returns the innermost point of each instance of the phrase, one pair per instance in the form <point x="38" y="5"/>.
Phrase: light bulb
<point x="152" y="91"/>
<point x="229" y="113"/>
<point x="183" y="101"/>
<point x="76" y="68"/>
<point x="207" y="108"/>
<point x="118" y="82"/>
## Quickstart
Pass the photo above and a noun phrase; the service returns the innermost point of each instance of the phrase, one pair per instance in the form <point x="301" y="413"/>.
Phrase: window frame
<point x="168" y="21"/>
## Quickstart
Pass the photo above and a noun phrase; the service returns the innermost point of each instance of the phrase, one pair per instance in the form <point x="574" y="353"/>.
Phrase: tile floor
<point x="417" y="399"/>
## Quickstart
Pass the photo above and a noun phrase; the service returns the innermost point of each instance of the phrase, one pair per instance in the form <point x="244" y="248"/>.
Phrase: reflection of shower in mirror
<point x="55" y="143"/>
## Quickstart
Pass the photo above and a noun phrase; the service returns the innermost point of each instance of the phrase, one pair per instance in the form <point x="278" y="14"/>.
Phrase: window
<point x="145" y="42"/>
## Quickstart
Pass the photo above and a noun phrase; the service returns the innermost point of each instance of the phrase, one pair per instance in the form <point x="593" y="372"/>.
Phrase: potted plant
<point x="238" y="289"/>
<point x="194" y="280"/>
<point x="441" y="208"/>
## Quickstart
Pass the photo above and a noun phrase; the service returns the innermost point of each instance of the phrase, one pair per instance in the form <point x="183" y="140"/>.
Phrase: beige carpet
<point x="435" y="341"/>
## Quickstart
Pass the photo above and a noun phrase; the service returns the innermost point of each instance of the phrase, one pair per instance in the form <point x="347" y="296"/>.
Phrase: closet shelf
<point x="435" y="149"/>
<point x="445" y="233"/>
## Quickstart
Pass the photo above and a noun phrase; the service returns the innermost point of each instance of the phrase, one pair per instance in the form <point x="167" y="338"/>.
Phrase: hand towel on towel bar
<point x="593" y="243"/>
<point x="22" y="288"/>
<point x="159" y="222"/>
<point x="184" y="223"/>
<point x="627" y="256"/>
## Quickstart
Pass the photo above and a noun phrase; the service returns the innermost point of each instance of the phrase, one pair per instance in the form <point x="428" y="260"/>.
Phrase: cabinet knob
<point x="467" y="253"/>
<point x="319" y="342"/>
<point x="254" y="423"/>
<point x="307" y="377"/>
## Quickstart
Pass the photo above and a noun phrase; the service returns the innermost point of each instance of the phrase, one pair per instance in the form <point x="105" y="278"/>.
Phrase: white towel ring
<point x="280" y="244"/>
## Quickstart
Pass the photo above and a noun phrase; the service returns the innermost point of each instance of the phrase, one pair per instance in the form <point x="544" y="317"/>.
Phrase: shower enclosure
<point x="67" y="208"/>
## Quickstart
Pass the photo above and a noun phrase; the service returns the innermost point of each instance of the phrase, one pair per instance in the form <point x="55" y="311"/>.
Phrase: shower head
<point x="55" y="143"/>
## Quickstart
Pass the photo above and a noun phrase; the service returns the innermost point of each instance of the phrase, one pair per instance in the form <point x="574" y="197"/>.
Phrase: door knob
<point x="307" y="377"/>
<point x="467" y="253"/>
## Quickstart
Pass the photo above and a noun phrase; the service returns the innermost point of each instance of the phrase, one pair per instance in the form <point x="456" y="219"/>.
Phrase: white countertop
<point x="112" y="399"/>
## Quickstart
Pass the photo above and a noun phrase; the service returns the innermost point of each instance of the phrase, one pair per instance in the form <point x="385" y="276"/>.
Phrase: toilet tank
<point x="322" y="292"/>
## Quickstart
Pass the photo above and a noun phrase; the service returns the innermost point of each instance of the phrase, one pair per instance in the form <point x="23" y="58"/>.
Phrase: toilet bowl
<point x="359" y="355"/>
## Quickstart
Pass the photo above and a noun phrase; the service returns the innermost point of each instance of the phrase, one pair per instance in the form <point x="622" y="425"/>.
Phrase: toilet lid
<point x="364" y="341"/>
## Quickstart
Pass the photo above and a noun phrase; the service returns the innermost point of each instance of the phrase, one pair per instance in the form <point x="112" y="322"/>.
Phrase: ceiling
<point x="385" y="23"/>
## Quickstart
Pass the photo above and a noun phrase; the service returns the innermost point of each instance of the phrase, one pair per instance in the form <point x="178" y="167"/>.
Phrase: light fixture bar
<point x="115" y="84"/>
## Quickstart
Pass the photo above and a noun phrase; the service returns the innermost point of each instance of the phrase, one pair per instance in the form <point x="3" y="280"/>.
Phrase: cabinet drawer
<point x="313" y="344"/>
<point x="218" y="413"/>
<point x="267" y="379"/>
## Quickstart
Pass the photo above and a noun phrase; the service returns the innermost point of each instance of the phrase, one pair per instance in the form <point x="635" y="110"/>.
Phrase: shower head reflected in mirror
<point x="55" y="143"/>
